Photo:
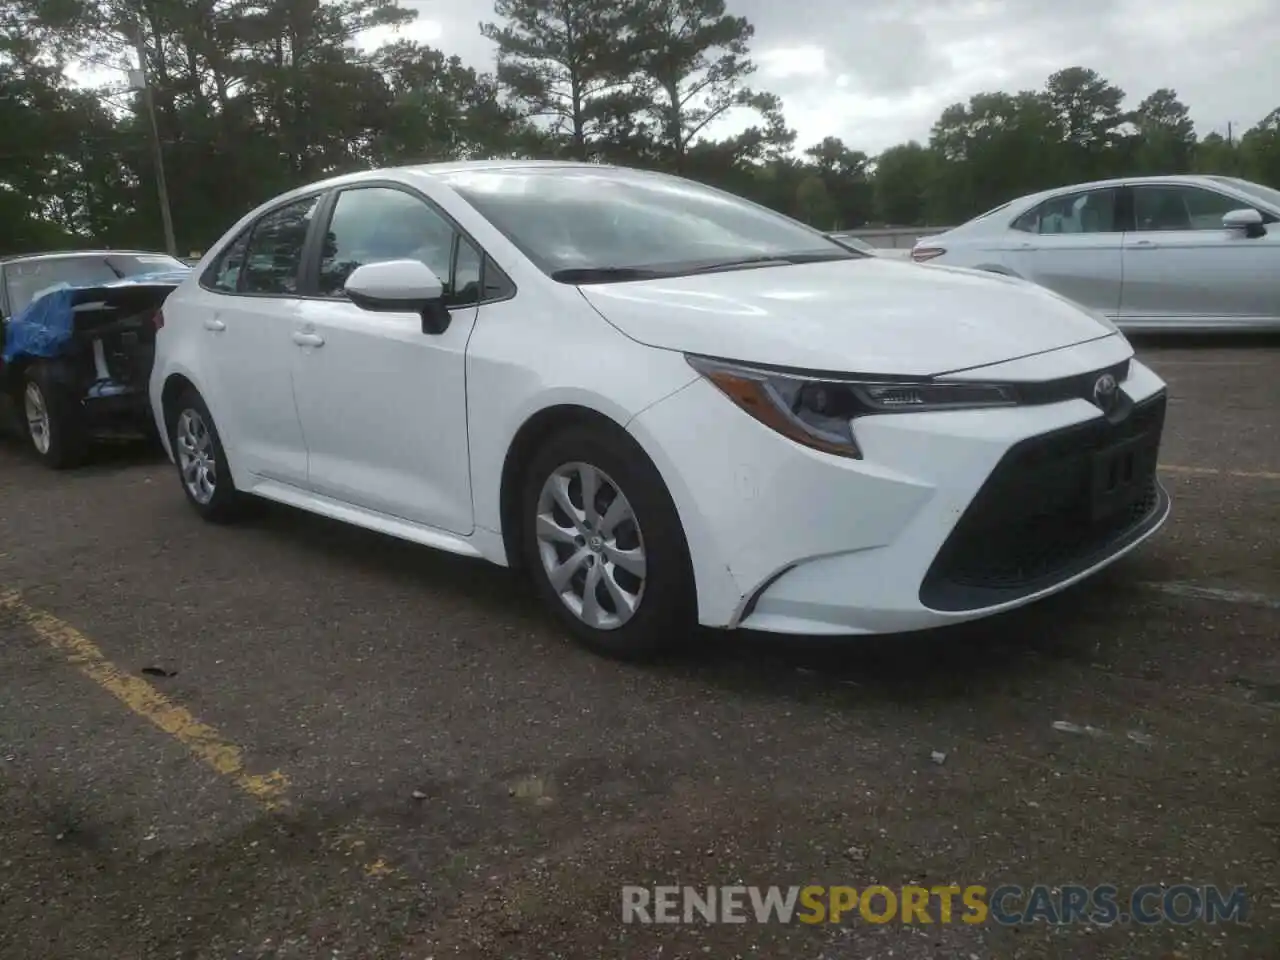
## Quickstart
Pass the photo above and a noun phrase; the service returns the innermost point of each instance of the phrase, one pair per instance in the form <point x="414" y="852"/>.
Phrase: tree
<point x="843" y="173"/>
<point x="1216" y="154"/>
<point x="1090" y="116"/>
<point x="1164" y="139"/>
<point x="1260" y="150"/>
<point x="994" y="148"/>
<point x="693" y="64"/>
<point x="567" y="62"/>
<point x="813" y="203"/>
<point x="902" y="179"/>
<point x="438" y="109"/>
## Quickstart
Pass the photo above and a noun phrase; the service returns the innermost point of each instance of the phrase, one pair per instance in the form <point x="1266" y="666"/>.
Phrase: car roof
<point x="460" y="166"/>
<point x="407" y="172"/>
<point x="1174" y="178"/>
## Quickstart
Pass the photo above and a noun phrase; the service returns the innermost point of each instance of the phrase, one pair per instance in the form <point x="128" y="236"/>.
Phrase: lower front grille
<point x="1054" y="506"/>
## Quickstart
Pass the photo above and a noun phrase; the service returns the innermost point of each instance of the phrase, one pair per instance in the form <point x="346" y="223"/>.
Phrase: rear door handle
<point x="308" y="339"/>
<point x="214" y="324"/>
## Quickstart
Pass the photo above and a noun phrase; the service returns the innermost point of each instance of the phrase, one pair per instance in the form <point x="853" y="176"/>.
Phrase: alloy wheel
<point x="37" y="412"/>
<point x="196" y="459"/>
<point x="591" y="546"/>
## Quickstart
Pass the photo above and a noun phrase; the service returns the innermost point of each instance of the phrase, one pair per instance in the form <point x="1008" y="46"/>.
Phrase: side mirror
<point x="1246" y="219"/>
<point x="400" y="286"/>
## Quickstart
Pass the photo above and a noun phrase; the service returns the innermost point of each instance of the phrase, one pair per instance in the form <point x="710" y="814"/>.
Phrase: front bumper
<point x="940" y="523"/>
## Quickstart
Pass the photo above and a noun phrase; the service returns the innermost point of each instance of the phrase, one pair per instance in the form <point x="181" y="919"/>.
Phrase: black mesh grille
<point x="1054" y="505"/>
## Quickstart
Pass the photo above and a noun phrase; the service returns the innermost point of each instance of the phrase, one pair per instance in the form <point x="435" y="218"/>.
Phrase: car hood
<point x="868" y="315"/>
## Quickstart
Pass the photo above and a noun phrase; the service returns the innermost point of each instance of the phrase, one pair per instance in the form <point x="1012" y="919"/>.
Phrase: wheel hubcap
<point x="590" y="545"/>
<point x="195" y="456"/>
<point x="37" y="417"/>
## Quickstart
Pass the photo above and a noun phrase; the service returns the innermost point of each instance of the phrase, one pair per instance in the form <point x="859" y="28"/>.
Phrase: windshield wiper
<point x="774" y="260"/>
<point x="606" y="274"/>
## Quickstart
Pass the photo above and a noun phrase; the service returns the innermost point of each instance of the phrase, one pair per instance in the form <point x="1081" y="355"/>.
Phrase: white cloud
<point x="421" y="30"/>
<point x="781" y="62"/>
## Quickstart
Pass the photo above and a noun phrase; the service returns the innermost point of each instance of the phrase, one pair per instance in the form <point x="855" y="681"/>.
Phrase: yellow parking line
<point x="206" y="743"/>
<point x="1214" y="472"/>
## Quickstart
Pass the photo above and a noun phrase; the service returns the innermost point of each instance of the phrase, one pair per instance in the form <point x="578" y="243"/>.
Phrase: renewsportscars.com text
<point x="1006" y="905"/>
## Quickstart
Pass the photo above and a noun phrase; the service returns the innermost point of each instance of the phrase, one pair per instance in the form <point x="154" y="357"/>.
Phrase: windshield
<point x="25" y="279"/>
<point x="1265" y="194"/>
<point x="616" y="224"/>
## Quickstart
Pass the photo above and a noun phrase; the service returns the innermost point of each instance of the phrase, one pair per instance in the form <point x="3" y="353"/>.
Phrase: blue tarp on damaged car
<point x="43" y="328"/>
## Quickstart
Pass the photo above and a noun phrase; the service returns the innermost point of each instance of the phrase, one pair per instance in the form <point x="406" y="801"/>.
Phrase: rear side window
<point x="274" y="255"/>
<point x="1092" y="211"/>
<point x="223" y="274"/>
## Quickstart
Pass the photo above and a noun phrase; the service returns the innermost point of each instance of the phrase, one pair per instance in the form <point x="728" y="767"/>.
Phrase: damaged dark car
<point x="77" y="341"/>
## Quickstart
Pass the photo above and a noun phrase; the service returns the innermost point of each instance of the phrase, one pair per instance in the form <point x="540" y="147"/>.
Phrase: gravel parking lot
<point x="291" y="739"/>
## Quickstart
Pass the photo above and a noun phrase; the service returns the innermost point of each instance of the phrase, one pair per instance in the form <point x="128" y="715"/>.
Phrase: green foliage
<point x="253" y="97"/>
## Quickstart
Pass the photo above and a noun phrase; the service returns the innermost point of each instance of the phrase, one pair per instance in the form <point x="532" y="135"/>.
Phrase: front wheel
<point x="605" y="546"/>
<point x="201" y="461"/>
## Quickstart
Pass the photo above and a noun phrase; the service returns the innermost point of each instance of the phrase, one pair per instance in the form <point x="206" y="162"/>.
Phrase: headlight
<point x="818" y="410"/>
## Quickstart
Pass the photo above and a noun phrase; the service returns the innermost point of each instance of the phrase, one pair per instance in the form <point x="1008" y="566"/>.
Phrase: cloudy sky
<point x="878" y="73"/>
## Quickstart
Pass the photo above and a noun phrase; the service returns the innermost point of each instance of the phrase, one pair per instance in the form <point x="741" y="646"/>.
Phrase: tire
<point x="52" y="419"/>
<point x="203" y="471"/>
<point x="664" y="612"/>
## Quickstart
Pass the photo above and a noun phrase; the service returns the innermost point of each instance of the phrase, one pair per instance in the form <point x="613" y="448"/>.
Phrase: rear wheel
<point x="54" y="421"/>
<point x="201" y="461"/>
<point x="605" y="546"/>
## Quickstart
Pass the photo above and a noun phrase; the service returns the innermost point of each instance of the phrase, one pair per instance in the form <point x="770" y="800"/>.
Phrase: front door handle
<point x="1143" y="245"/>
<point x="308" y="339"/>
<point x="214" y="324"/>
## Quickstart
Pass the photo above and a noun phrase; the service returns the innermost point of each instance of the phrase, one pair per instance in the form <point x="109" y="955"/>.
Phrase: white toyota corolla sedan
<point x="668" y="404"/>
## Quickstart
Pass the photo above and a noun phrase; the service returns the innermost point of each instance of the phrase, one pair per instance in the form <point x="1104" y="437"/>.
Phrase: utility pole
<point x="162" y="188"/>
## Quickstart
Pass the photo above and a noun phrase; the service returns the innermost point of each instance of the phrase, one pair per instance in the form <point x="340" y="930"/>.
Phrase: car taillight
<point x="157" y="318"/>
<point x="921" y="254"/>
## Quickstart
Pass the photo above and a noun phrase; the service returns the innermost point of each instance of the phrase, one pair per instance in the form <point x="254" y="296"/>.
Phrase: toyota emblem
<point x="1105" y="391"/>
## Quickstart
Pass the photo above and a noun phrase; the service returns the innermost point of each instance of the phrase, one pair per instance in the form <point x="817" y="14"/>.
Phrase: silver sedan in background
<point x="1152" y="254"/>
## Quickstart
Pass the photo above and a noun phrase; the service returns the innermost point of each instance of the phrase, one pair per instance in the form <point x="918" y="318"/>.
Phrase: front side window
<point x="274" y="255"/>
<point x="468" y="270"/>
<point x="583" y="219"/>
<point x="1092" y="211"/>
<point x="1180" y="208"/>
<point x="376" y="224"/>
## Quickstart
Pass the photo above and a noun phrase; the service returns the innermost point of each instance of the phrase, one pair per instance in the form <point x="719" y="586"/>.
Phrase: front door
<point x="382" y="404"/>
<point x="1183" y="267"/>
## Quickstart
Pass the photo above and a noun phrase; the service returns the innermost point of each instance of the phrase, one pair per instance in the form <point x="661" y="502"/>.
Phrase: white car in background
<point x="1153" y="254"/>
<point x="668" y="404"/>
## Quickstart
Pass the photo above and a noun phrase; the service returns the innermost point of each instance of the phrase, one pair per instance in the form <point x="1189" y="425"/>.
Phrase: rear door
<point x="1183" y="268"/>
<point x="246" y="312"/>
<point x="1072" y="244"/>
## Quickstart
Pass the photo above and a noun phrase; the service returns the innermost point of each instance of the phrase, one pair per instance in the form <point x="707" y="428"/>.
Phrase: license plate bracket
<point x="1119" y="476"/>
